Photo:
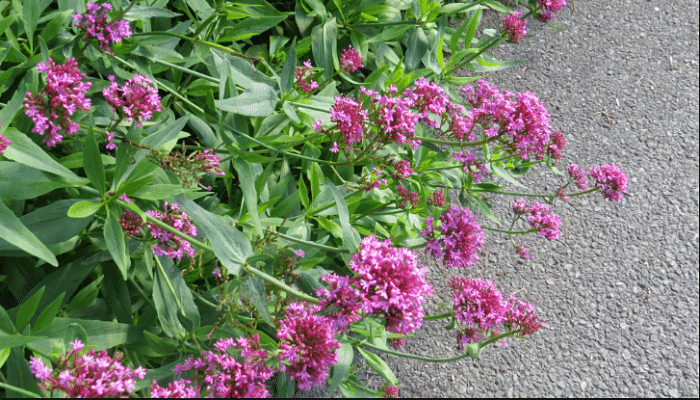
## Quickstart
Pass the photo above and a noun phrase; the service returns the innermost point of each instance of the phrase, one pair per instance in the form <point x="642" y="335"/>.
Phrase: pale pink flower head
<point x="221" y="375"/>
<point x="136" y="100"/>
<point x="350" y="60"/>
<point x="168" y="244"/>
<point x="514" y="26"/>
<point x="610" y="179"/>
<point x="90" y="374"/>
<point x="304" y="82"/>
<point x="96" y="27"/>
<point x="391" y="284"/>
<point x="307" y="345"/>
<point x="63" y="95"/>
<point x="459" y="239"/>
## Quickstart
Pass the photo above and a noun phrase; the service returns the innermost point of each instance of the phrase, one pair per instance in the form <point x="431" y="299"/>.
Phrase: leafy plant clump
<point x="228" y="199"/>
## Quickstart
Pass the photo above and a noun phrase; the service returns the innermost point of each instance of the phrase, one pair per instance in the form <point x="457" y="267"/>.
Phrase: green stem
<point x="308" y="107"/>
<point x="454" y="143"/>
<point x="20" y="390"/>
<point x="438" y="316"/>
<point x="286" y="153"/>
<point x="413" y="356"/>
<point x="509" y="231"/>
<point x="584" y="192"/>
<point x="204" y="42"/>
<point x="188" y="71"/>
<point x="382" y="24"/>
<point x="252" y="270"/>
<point x="170" y="285"/>
<point x="312" y="244"/>
<point x="508" y="193"/>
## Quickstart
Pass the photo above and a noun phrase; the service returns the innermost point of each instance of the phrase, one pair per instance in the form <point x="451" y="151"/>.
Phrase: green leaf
<point x="250" y="196"/>
<point x="116" y="293"/>
<point x="12" y="230"/>
<point x="487" y="64"/>
<point x="350" y="241"/>
<point x="388" y="35"/>
<point x="379" y="366"/>
<point x="48" y="314"/>
<point x="258" y="101"/>
<point x="461" y="80"/>
<point x="101" y="334"/>
<point x="19" y="375"/>
<point x="502" y="173"/>
<point x="116" y="244"/>
<point x="22" y="182"/>
<point x="439" y="56"/>
<point x="50" y="224"/>
<point x="341" y="370"/>
<point x="454" y="41"/>
<point x="12" y="341"/>
<point x="166" y="134"/>
<point x="230" y="246"/>
<point x="324" y="47"/>
<point x="416" y="48"/>
<point x="471" y="29"/>
<point x="31" y="12"/>
<point x="141" y="12"/>
<point x="83" y="209"/>
<point x="25" y="151"/>
<point x="167" y="306"/>
<point x="85" y="296"/>
<point x="92" y="162"/>
<point x="303" y="192"/>
<point x="27" y="309"/>
<point x="252" y="26"/>
<point x="497" y="6"/>
<point x="285" y="386"/>
<point x="254" y="291"/>
<point x="6" y="324"/>
<point x="75" y="331"/>
<point x="486" y="209"/>
<point x="290" y="64"/>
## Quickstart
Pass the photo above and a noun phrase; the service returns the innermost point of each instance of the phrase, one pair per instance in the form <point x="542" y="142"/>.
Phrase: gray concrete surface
<point x="619" y="290"/>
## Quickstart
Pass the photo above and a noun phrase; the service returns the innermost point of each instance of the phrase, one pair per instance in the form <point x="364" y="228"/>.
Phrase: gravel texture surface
<point x="619" y="290"/>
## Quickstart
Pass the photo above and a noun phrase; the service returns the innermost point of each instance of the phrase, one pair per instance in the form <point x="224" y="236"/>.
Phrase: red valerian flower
<point x="137" y="99"/>
<point x="96" y="27"/>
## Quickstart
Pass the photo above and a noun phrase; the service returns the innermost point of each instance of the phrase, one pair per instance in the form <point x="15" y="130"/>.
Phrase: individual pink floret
<point x="63" y="95"/>
<point x="96" y="26"/>
<point x="351" y="60"/>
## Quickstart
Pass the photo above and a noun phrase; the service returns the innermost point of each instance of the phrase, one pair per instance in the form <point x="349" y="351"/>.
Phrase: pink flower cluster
<point x="479" y="308"/>
<point x="207" y="161"/>
<point x="522" y="123"/>
<point x="63" y="94"/>
<point x="175" y="247"/>
<point x="130" y="222"/>
<point x="406" y="197"/>
<point x="540" y="218"/>
<point x="391" y="284"/>
<point x="220" y="375"/>
<point x="351" y="60"/>
<point x="459" y="240"/>
<point x="4" y="142"/>
<point x="350" y="119"/>
<point x="437" y="199"/>
<point x="342" y="300"/>
<point x="610" y="179"/>
<point x="137" y="99"/>
<point x="579" y="176"/>
<point x="89" y="374"/>
<point x="307" y="345"/>
<point x="302" y="83"/>
<point x="515" y="27"/>
<point x="546" y="6"/>
<point x="96" y="27"/>
<point x="468" y="161"/>
<point x="389" y="392"/>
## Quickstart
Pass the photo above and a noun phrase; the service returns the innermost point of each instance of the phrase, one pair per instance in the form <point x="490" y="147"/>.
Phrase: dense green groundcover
<point x="227" y="198"/>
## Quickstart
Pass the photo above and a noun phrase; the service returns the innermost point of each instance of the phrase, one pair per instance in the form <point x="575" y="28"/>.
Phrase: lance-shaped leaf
<point x="258" y="101"/>
<point x="172" y="298"/>
<point x="12" y="230"/>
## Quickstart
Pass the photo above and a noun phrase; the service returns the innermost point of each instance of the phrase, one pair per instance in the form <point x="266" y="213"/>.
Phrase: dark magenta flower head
<point x="136" y="100"/>
<point x="168" y="244"/>
<point x="514" y="26"/>
<point x="351" y="60"/>
<point x="307" y="345"/>
<point x="459" y="239"/>
<point x="478" y="306"/>
<point x="391" y="284"/>
<point x="610" y="179"/>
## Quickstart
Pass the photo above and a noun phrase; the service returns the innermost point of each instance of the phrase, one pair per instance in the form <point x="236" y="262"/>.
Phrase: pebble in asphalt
<point x="620" y="289"/>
